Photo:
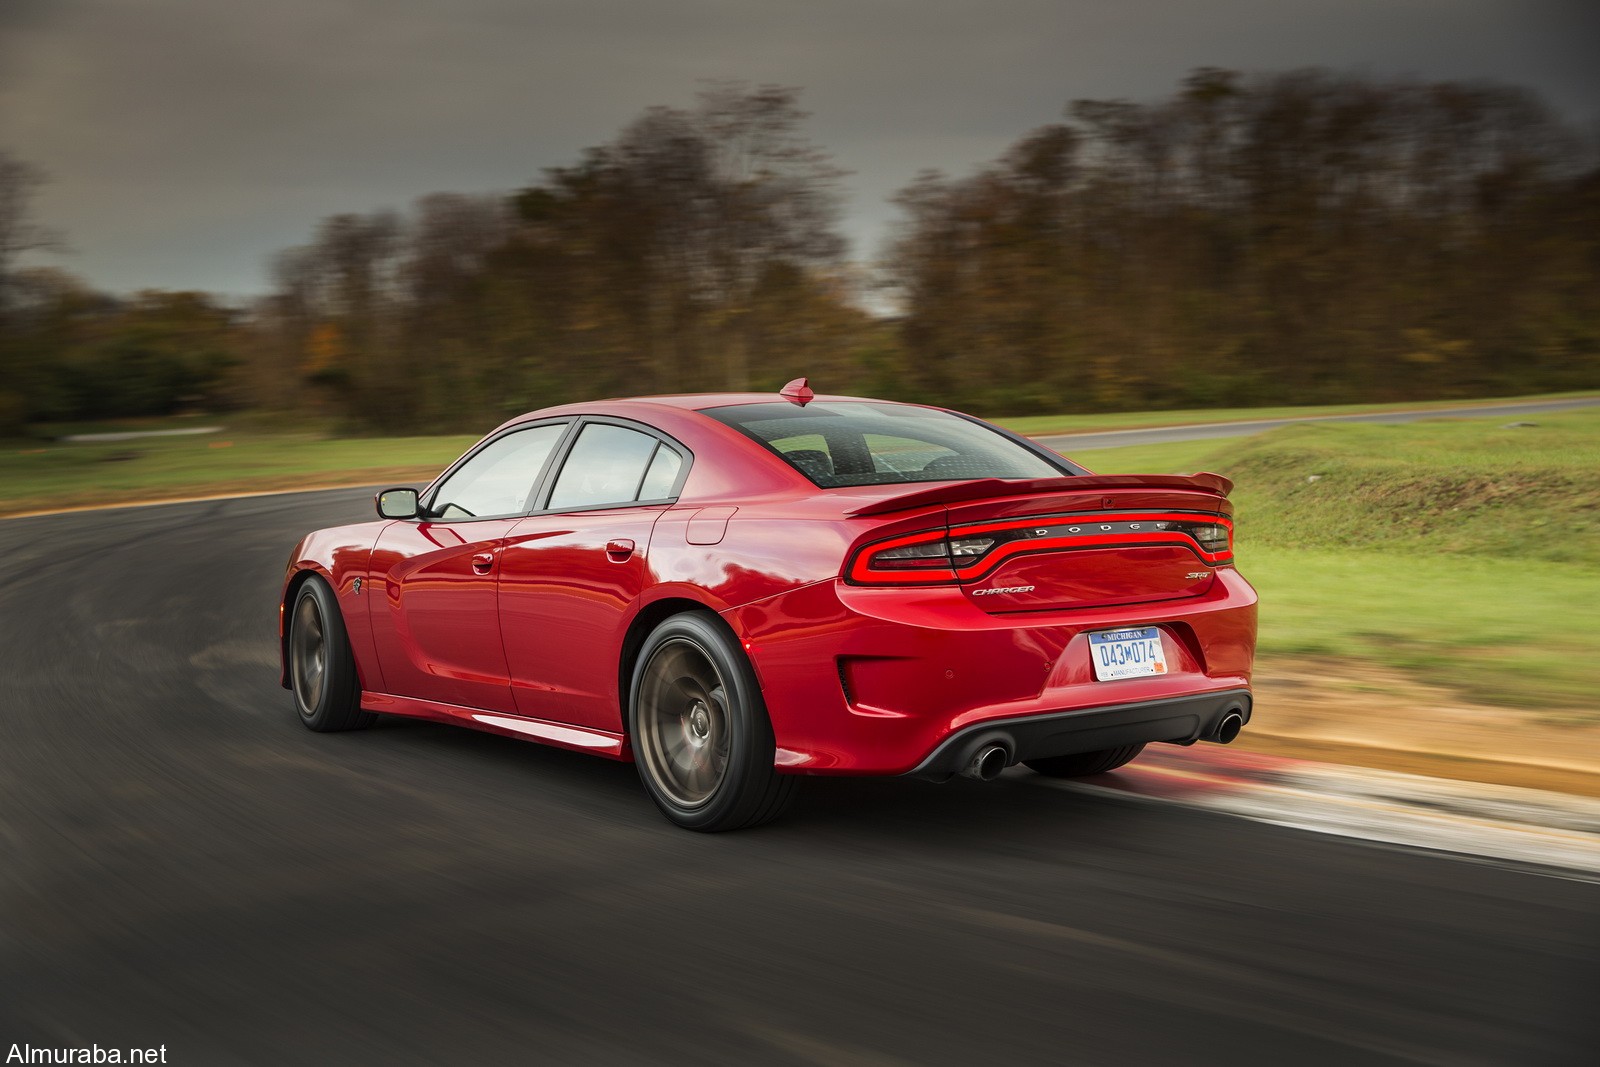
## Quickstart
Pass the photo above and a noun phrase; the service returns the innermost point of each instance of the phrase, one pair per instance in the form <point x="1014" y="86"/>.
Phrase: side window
<point x="662" y="474"/>
<point x="613" y="465"/>
<point x="499" y="478"/>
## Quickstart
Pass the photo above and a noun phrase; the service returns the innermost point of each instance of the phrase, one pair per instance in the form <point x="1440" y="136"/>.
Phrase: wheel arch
<point x="291" y="589"/>
<point x="648" y="618"/>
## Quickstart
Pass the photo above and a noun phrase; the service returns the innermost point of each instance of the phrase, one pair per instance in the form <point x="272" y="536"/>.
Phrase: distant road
<point x="133" y="435"/>
<point x="1160" y="435"/>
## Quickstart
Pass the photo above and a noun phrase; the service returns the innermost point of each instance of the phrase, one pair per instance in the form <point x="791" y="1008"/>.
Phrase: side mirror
<point x="398" y="504"/>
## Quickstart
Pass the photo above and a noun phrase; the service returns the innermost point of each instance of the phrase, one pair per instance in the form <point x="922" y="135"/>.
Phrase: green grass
<point x="42" y="475"/>
<point x="1521" y="633"/>
<point x="1130" y="420"/>
<point x="1457" y="550"/>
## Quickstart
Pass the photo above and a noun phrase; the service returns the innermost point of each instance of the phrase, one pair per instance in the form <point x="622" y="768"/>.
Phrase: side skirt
<point x="577" y="738"/>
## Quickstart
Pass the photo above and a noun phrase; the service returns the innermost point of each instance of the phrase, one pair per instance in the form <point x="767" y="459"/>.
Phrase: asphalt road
<point x="182" y="864"/>
<point x="1158" y="435"/>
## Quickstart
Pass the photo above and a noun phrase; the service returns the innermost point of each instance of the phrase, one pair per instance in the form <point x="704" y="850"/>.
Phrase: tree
<point x="19" y="234"/>
<point x="1296" y="237"/>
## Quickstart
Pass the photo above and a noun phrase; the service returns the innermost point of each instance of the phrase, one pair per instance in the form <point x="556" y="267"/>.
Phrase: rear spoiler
<point x="956" y="492"/>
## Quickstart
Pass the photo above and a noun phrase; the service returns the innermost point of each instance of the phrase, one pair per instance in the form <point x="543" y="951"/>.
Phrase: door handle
<point x="618" y="550"/>
<point x="483" y="562"/>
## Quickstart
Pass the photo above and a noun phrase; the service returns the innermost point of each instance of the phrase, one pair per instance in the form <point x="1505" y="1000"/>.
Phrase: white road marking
<point x="1527" y="826"/>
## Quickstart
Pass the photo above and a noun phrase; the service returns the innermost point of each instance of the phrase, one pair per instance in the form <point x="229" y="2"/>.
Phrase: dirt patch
<point x="1371" y="716"/>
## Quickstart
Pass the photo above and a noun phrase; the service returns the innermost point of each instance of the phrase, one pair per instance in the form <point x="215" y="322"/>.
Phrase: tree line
<point x="1287" y="238"/>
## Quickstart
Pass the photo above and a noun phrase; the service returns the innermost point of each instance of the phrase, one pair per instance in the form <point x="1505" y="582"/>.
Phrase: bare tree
<point x="19" y="233"/>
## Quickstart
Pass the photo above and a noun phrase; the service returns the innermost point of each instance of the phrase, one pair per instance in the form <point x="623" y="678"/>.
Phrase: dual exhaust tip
<point x="991" y="756"/>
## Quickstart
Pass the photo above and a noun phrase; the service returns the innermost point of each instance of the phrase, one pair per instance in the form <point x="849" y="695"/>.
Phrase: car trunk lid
<point x="1126" y="539"/>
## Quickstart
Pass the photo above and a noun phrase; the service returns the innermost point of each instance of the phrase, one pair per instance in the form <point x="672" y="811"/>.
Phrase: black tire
<point x="701" y="737"/>
<point x="1080" y="764"/>
<point x="322" y="672"/>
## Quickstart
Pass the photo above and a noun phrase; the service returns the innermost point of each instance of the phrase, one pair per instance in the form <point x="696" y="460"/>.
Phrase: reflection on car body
<point x="736" y="591"/>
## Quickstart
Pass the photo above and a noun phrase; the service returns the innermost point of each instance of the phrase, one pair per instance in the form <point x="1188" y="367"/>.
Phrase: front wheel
<point x="1080" y="764"/>
<point x="701" y="736"/>
<point x="322" y="671"/>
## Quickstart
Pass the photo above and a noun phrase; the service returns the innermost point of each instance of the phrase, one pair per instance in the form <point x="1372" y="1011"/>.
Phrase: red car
<point x="737" y="590"/>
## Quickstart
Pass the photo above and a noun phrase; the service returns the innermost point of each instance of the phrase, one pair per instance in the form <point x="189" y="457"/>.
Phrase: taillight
<point x="1214" y="537"/>
<point x="969" y="552"/>
<point x="916" y="559"/>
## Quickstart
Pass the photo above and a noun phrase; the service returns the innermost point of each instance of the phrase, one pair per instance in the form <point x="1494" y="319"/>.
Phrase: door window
<point x="499" y="478"/>
<point x="614" y="465"/>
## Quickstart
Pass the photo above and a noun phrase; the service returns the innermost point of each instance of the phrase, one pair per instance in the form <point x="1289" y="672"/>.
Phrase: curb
<point x="159" y="501"/>
<point x="1575" y="781"/>
<point x="1554" y="832"/>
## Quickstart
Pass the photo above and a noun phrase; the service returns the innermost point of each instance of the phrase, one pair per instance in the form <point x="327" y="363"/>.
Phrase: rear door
<point x="436" y="625"/>
<point x="570" y="573"/>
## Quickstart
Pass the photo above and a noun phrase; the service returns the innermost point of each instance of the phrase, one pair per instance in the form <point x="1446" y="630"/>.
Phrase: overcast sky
<point x="188" y="140"/>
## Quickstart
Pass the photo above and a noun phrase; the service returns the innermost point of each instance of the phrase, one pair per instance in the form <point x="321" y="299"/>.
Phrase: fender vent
<point x="844" y="682"/>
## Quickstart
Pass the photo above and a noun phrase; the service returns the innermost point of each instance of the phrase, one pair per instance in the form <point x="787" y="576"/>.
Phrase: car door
<point x="437" y="625"/>
<point x="570" y="572"/>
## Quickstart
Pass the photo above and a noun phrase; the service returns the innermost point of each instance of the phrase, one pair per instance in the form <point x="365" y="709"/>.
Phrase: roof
<point x="699" y="401"/>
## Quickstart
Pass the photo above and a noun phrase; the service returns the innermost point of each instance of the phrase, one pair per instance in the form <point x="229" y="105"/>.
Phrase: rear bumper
<point x="1182" y="720"/>
<point x="890" y="681"/>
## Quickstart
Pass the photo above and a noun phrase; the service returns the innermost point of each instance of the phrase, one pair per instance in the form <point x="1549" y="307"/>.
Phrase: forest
<point x="1283" y="238"/>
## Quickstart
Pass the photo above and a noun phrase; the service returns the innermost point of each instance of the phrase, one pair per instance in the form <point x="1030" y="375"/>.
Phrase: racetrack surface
<point x="182" y="864"/>
<point x="1160" y="435"/>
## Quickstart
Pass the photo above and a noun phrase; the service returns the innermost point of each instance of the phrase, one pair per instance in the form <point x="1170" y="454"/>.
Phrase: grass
<point x="46" y="475"/>
<point x="1460" y="551"/>
<point x="1133" y="420"/>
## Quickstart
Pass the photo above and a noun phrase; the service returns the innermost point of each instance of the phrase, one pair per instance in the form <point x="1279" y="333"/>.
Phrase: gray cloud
<point x="190" y="139"/>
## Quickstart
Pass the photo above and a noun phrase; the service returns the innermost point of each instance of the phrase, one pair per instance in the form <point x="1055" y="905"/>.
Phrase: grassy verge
<point x="1136" y="420"/>
<point x="1462" y="552"/>
<point x="39" y="476"/>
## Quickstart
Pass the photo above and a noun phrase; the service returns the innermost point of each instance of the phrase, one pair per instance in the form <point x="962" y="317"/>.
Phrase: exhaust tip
<point x="1229" y="728"/>
<point x="987" y="763"/>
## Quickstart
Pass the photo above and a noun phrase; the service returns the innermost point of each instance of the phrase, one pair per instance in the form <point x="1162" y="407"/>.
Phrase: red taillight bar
<point x="945" y="570"/>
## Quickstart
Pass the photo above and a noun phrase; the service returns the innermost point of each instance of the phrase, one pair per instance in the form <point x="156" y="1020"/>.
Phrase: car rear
<point x="1028" y="606"/>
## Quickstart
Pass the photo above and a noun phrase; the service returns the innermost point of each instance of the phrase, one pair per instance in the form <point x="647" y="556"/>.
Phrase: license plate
<point x="1127" y="653"/>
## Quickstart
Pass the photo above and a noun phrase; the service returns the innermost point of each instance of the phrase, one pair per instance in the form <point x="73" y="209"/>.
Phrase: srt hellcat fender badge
<point x="356" y="586"/>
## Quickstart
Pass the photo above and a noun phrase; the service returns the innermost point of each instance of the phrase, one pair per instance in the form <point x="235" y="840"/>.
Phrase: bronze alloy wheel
<point x="322" y="672"/>
<point x="701" y="737"/>
<point x="308" y="655"/>
<point x="683" y="722"/>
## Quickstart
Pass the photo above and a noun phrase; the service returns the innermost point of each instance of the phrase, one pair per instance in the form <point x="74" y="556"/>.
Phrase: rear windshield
<point x="862" y="443"/>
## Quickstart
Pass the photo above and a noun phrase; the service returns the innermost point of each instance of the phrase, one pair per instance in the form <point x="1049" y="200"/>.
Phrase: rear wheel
<point x="322" y="672"/>
<point x="1080" y="764"/>
<point x="701" y="737"/>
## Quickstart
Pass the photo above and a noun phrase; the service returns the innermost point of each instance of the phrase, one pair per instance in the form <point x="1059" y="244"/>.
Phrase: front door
<point x="437" y="625"/>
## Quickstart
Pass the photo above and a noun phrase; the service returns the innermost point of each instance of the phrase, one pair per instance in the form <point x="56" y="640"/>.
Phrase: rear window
<point x="862" y="443"/>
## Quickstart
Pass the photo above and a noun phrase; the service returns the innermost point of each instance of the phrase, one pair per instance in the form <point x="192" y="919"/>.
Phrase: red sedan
<point x="737" y="590"/>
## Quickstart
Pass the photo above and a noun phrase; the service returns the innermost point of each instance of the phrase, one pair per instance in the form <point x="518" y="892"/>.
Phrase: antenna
<point x="797" y="392"/>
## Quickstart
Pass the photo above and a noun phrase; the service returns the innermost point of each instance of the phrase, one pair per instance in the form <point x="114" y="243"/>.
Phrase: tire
<point x="1080" y="764"/>
<point x="701" y="737"/>
<point x="322" y="672"/>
